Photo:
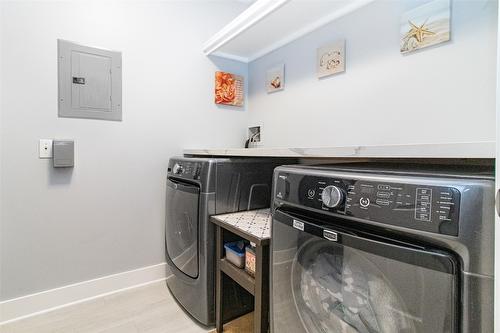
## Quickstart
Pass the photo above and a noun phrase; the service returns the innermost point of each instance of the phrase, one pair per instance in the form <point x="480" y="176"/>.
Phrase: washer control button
<point x="382" y="202"/>
<point x="364" y="202"/>
<point x="385" y="195"/>
<point x="178" y="169"/>
<point x="332" y="196"/>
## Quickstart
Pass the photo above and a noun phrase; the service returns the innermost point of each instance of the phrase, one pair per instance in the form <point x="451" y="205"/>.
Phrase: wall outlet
<point x="45" y="148"/>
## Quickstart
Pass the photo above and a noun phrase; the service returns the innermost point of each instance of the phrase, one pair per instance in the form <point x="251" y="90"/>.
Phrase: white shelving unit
<point x="269" y="24"/>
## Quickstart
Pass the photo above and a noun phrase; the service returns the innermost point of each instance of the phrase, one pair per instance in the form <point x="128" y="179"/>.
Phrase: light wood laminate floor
<point x="147" y="309"/>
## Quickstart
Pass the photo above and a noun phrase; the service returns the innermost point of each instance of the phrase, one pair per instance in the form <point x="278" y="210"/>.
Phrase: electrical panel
<point x="90" y="82"/>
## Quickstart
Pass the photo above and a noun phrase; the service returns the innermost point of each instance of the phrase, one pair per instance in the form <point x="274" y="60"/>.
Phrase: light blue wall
<point x="107" y="214"/>
<point x="441" y="94"/>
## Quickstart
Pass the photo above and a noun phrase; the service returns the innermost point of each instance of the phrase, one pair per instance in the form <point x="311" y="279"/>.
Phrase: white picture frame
<point x="331" y="58"/>
<point x="275" y="78"/>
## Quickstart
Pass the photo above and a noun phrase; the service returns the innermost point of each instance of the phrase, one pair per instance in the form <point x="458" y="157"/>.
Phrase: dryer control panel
<point x="186" y="170"/>
<point x="416" y="206"/>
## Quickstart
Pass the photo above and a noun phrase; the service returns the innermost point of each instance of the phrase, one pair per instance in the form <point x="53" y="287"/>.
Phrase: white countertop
<point x="486" y="149"/>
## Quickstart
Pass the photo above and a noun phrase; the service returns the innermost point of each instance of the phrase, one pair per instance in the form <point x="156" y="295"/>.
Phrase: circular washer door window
<point x="338" y="289"/>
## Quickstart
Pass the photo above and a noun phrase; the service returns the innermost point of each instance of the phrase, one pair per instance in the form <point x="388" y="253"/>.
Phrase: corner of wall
<point x="1" y="140"/>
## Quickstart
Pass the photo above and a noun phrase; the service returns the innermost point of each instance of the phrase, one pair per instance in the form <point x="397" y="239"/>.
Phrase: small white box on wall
<point x="254" y="136"/>
<point x="64" y="153"/>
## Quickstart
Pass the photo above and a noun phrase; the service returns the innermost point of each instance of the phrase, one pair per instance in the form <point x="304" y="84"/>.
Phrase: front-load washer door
<point x="181" y="227"/>
<point x="326" y="279"/>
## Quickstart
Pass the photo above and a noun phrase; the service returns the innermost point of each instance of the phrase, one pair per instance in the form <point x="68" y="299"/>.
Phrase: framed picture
<point x="275" y="78"/>
<point x="425" y="26"/>
<point x="331" y="59"/>
<point x="229" y="89"/>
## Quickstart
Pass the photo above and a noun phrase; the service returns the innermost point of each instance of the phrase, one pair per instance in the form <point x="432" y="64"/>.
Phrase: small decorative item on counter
<point x="250" y="259"/>
<point x="229" y="89"/>
<point x="235" y="253"/>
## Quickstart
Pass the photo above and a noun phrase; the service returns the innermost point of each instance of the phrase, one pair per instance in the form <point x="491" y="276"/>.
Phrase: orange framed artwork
<point x="228" y="89"/>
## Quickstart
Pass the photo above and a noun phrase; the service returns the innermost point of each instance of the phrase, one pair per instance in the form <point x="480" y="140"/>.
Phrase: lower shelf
<point x="239" y="275"/>
<point x="243" y="324"/>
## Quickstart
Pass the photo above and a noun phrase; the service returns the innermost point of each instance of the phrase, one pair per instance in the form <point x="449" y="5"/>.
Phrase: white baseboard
<point x="30" y="305"/>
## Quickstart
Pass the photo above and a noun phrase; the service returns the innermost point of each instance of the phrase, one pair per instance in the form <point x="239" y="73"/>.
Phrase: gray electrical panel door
<point x="89" y="82"/>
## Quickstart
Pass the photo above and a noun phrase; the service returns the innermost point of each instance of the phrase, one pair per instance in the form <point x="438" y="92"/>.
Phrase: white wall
<point x="106" y="215"/>
<point x="441" y="94"/>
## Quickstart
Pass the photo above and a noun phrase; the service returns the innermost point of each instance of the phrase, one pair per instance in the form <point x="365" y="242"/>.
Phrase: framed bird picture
<point x="425" y="26"/>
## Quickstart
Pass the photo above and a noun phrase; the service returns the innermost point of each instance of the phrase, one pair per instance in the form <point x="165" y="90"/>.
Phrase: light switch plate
<point x="45" y="148"/>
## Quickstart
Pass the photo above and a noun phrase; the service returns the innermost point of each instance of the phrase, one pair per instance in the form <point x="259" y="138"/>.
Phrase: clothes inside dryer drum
<point x="341" y="289"/>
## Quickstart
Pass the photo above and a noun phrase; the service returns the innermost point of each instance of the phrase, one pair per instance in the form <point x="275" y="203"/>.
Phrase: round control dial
<point x="332" y="196"/>
<point x="177" y="169"/>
